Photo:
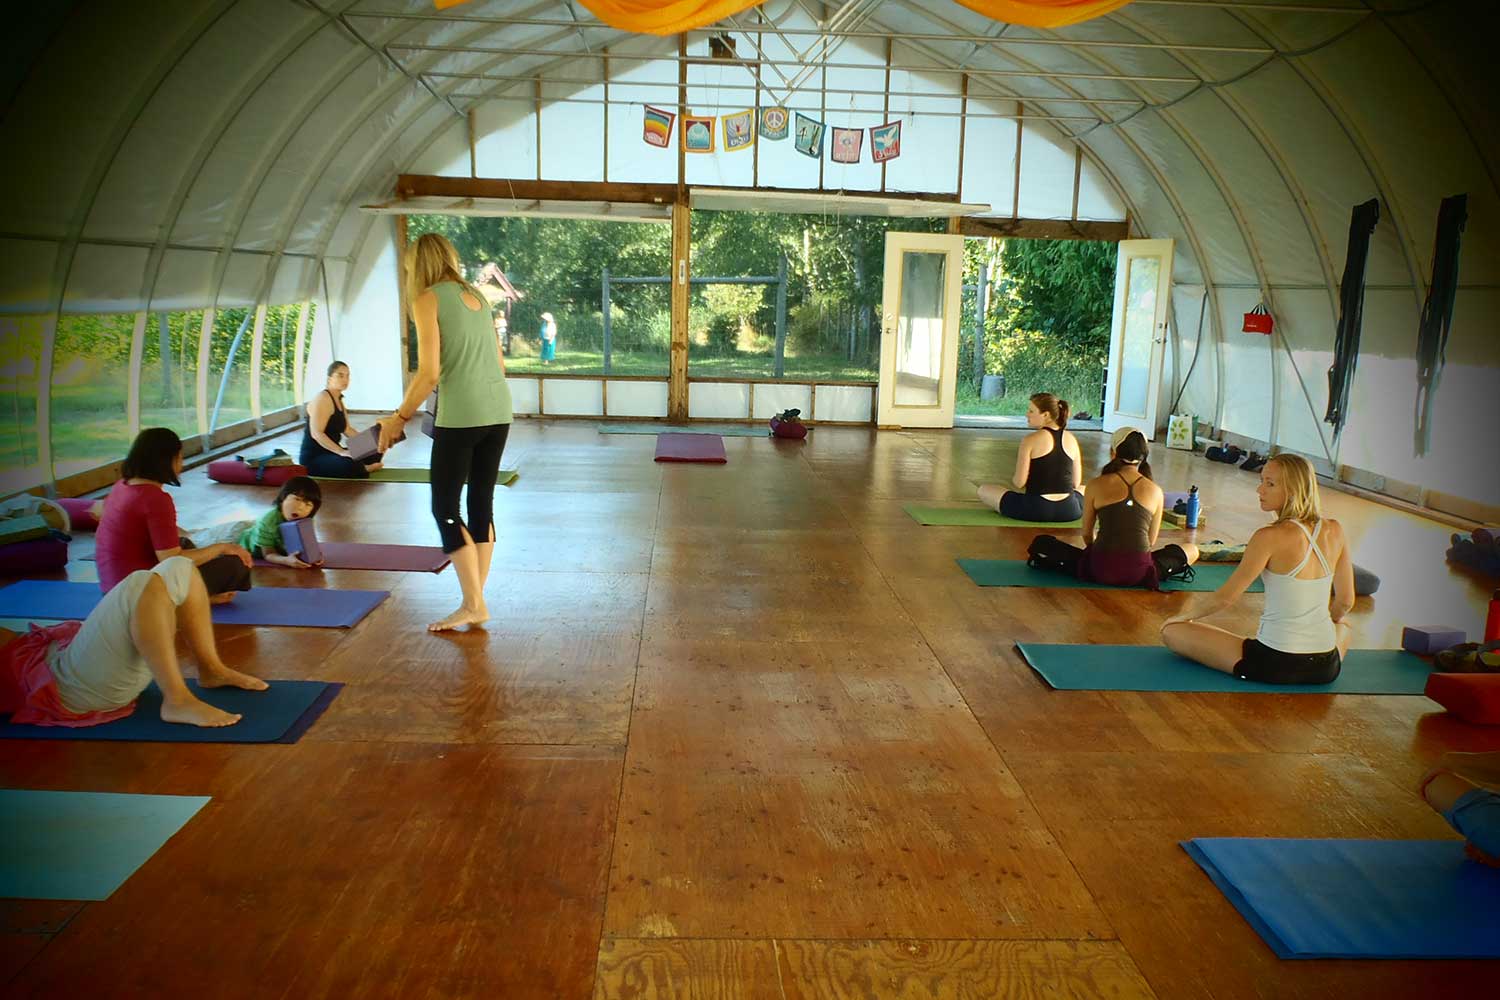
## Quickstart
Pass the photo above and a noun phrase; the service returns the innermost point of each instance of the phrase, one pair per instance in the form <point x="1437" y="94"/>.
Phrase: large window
<point x="278" y="358"/>
<point x="229" y="368"/>
<point x="835" y="269"/>
<point x="169" y="366"/>
<point x="20" y="361"/>
<point x="560" y="267"/>
<point x="90" y="383"/>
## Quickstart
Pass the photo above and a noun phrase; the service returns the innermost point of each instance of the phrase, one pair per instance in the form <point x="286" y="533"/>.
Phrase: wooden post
<point x="677" y="386"/>
<point x="780" y="319"/>
<point x="604" y="294"/>
<point x="606" y="118"/>
<point x="682" y="75"/>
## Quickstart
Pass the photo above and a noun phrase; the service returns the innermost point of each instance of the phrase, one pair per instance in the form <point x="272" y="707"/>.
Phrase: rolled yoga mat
<point x="690" y="448"/>
<point x="507" y="477"/>
<point x="280" y="714"/>
<point x="723" y="430"/>
<point x="66" y="600"/>
<point x="83" y="845"/>
<point x="1087" y="667"/>
<point x="398" y="558"/>
<point x="1015" y="573"/>
<point x="1358" y="898"/>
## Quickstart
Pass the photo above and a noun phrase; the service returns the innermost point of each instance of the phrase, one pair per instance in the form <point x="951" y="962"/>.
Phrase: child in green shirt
<point x="300" y="498"/>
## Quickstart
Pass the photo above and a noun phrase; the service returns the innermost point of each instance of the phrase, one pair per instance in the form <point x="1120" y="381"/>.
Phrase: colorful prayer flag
<point x="775" y="124"/>
<point x="739" y="130"/>
<point x="847" y="143"/>
<point x="658" y="127"/>
<point x="809" y="141"/>
<point x="885" y="141"/>
<point x="698" y="133"/>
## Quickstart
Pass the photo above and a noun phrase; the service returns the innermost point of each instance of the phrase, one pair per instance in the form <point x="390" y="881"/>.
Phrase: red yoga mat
<point x="399" y="558"/>
<point x="690" y="448"/>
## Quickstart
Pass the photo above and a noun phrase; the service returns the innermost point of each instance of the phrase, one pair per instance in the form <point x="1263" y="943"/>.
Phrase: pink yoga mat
<point x="400" y="558"/>
<point x="690" y="448"/>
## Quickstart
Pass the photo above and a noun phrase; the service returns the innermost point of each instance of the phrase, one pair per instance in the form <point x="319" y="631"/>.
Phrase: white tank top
<point x="1296" y="619"/>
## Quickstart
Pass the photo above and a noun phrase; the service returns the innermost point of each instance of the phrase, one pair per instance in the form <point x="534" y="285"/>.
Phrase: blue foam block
<point x="1358" y="898"/>
<point x="82" y="845"/>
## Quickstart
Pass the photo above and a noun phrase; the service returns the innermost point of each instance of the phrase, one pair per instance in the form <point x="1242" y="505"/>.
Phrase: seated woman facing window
<point x="1049" y="468"/>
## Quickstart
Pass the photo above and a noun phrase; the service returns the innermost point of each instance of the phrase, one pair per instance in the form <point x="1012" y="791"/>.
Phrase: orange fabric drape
<point x="656" y="18"/>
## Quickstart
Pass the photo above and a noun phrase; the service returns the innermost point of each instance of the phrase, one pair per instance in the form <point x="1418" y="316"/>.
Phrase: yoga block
<point x="1425" y="640"/>
<point x="1172" y="517"/>
<point x="300" y="540"/>
<point x="1474" y="698"/>
<point x="39" y="555"/>
<point x="237" y="473"/>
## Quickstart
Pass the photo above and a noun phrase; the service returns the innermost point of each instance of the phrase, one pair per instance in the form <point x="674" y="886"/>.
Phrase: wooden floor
<point x="742" y="731"/>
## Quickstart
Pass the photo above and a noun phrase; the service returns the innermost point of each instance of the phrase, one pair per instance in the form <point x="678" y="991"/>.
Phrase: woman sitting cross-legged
<point x="1125" y="507"/>
<point x="91" y="672"/>
<point x="328" y="425"/>
<point x="139" y="529"/>
<point x="1049" y="468"/>
<point x="1300" y="557"/>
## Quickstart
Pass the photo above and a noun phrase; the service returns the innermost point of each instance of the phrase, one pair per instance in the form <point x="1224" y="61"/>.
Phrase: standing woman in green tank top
<point x="459" y="355"/>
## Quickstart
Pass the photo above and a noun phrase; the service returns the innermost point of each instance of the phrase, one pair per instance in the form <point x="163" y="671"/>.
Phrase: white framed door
<point x="919" y="329"/>
<point x="1138" y="335"/>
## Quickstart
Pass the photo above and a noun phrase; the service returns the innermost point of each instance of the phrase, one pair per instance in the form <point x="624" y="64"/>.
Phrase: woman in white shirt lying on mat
<point x="1301" y="557"/>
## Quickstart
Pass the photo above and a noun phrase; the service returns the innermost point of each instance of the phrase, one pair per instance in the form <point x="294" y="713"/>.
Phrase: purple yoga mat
<point x="690" y="448"/>
<point x="399" y="558"/>
<point x="302" y="606"/>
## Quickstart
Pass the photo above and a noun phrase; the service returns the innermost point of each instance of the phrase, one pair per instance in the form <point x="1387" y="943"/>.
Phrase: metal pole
<point x="604" y="284"/>
<point x="234" y="348"/>
<point x="780" y="317"/>
<point x="981" y="302"/>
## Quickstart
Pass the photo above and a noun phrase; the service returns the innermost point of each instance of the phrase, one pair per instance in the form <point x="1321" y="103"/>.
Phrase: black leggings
<point x="466" y="455"/>
<point x="327" y="464"/>
<point x="221" y="574"/>
<point x="1035" y="507"/>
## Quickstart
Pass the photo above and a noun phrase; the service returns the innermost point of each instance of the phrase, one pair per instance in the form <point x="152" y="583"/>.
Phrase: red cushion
<point x="231" y="470"/>
<point x="1472" y="697"/>
<point x="80" y="512"/>
<point x="39" y="555"/>
<point x="794" y="429"/>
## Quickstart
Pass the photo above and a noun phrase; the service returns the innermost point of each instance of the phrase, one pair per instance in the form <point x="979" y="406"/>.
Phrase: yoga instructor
<point x="459" y="355"/>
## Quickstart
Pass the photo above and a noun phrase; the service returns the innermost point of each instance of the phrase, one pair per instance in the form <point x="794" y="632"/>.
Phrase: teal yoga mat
<point x="82" y="845"/>
<point x="723" y="430"/>
<point x="1156" y="668"/>
<point x="1015" y="573"/>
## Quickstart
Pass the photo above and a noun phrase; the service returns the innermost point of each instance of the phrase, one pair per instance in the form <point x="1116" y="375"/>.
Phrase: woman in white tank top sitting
<point x="1301" y="557"/>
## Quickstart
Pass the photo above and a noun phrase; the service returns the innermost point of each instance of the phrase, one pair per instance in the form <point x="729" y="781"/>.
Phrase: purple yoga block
<point x="1428" y="639"/>
<point x="301" y="540"/>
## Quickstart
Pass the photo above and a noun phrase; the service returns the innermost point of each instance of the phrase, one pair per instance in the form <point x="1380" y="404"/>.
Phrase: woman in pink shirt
<point x="139" y="525"/>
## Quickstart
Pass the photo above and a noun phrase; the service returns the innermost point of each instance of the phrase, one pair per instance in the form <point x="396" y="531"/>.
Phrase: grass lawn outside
<point x="810" y="369"/>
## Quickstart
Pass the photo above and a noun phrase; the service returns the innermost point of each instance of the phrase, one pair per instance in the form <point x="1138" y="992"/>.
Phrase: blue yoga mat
<point x="1087" y="667"/>
<point x="1358" y="898"/>
<point x="1015" y="573"/>
<point x="66" y="600"/>
<point x="280" y="714"/>
<point x="82" y="845"/>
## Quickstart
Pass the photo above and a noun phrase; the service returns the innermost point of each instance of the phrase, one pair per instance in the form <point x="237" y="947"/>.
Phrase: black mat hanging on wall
<point x="1351" y="313"/>
<point x="1437" y="311"/>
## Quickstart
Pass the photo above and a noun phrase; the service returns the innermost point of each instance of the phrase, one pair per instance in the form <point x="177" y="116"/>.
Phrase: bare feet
<point x="192" y="712"/>
<point x="221" y="676"/>
<point x="462" y="616"/>
<point x="375" y="468"/>
<point x="224" y="598"/>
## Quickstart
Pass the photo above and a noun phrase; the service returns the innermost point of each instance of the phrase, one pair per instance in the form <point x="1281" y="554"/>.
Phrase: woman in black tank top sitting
<point x="1049" y="468"/>
<point x="1125" y="506"/>
<point x="328" y="424"/>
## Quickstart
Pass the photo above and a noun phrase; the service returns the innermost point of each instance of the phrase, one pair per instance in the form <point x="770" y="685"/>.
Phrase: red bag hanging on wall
<point x="1258" y="320"/>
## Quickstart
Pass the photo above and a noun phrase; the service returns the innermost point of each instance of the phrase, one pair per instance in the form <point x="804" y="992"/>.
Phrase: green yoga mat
<point x="1156" y="668"/>
<point x="82" y="845"/>
<point x="1015" y="573"/>
<point x="975" y="516"/>
<point x="723" y="430"/>
<point x="507" y="476"/>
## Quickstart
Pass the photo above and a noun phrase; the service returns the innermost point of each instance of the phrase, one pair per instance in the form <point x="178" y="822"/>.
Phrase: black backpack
<point x="1049" y="552"/>
<point x="1172" y="564"/>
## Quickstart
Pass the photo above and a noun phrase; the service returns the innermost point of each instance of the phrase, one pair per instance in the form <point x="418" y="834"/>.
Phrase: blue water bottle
<point x="1192" y="508"/>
